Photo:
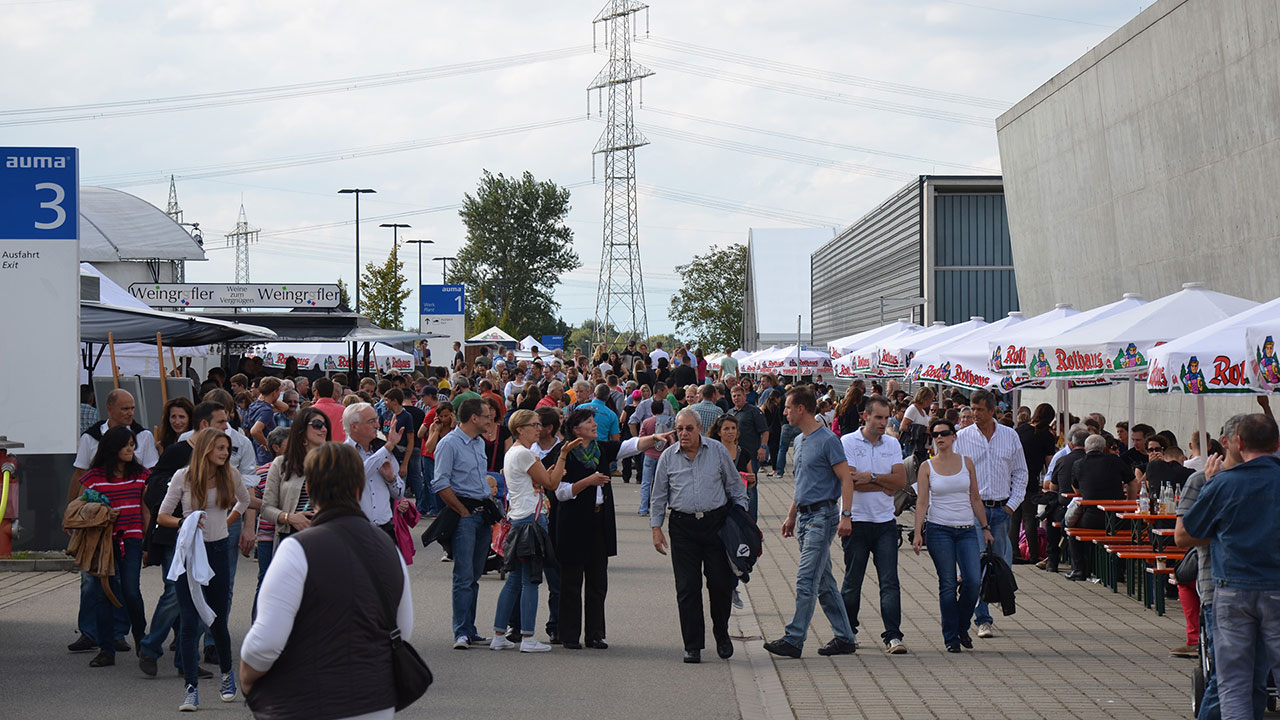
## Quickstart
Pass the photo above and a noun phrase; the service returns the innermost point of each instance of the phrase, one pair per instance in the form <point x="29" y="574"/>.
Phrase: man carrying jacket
<point x="697" y="479"/>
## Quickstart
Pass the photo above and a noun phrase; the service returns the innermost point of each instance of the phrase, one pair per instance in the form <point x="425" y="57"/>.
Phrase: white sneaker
<point x="500" y="642"/>
<point x="986" y="630"/>
<point x="895" y="647"/>
<point x="531" y="644"/>
<point x="461" y="643"/>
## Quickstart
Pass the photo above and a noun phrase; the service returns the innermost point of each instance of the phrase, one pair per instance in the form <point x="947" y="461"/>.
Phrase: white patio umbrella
<point x="713" y="360"/>
<point x="1264" y="370"/>
<point x="843" y="345"/>
<point x="1117" y="346"/>
<point x="862" y="360"/>
<point x="1214" y="360"/>
<point x="962" y="361"/>
<point x="791" y="360"/>
<point x="333" y="356"/>
<point x="893" y="357"/>
<point x="751" y="363"/>
<point x="739" y="354"/>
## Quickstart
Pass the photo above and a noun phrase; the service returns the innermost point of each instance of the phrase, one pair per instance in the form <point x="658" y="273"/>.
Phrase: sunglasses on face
<point x="318" y="424"/>
<point x="941" y="434"/>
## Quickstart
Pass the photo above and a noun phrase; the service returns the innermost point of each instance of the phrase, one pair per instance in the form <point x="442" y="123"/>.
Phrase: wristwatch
<point x="846" y="513"/>
<point x="873" y="479"/>
<point x="985" y="527"/>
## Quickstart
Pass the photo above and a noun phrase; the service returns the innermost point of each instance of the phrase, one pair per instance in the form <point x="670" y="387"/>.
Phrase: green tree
<point x="583" y="337"/>
<point x="517" y="248"/>
<point x="707" y="308"/>
<point x="344" y="297"/>
<point x="383" y="290"/>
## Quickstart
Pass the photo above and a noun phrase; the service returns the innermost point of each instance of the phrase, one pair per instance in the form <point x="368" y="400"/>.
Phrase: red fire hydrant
<point x="8" y="497"/>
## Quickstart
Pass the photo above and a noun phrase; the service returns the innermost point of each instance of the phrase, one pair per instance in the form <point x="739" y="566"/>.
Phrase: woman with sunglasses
<point x="285" y="504"/>
<point x="945" y="514"/>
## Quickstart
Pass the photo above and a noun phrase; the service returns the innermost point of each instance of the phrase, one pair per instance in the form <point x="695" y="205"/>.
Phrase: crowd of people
<point x="510" y="461"/>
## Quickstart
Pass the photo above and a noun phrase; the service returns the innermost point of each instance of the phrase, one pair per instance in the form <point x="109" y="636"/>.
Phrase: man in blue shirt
<point x="461" y="483"/>
<point x="822" y="482"/>
<point x="607" y="426"/>
<point x="1235" y="516"/>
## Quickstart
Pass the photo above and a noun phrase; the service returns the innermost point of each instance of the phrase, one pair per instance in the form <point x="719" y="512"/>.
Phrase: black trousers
<point x="697" y="550"/>
<point x="594" y="574"/>
<point x="1081" y="557"/>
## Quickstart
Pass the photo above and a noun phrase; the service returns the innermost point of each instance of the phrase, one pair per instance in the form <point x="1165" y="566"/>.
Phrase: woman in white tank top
<point x="946" y="512"/>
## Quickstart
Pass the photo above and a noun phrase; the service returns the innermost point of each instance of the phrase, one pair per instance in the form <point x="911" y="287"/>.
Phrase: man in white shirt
<point x="382" y="482"/>
<point x="875" y="461"/>
<point x="1001" y="467"/>
<point x="657" y="353"/>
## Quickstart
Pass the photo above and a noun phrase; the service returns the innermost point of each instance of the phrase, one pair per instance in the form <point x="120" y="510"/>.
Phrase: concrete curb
<point x="49" y="564"/>
<point x="755" y="679"/>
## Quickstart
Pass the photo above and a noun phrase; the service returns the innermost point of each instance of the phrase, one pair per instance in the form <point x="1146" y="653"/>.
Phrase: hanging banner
<point x="250" y="295"/>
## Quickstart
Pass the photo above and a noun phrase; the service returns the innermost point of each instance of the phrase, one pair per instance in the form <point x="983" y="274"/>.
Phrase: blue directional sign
<point x="39" y="193"/>
<point x="553" y="342"/>
<point x="443" y="299"/>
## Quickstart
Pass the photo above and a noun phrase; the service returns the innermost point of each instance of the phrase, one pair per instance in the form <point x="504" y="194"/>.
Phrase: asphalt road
<point x="640" y="674"/>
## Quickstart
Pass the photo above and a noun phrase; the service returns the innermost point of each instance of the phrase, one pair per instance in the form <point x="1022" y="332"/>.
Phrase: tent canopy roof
<point x="115" y="226"/>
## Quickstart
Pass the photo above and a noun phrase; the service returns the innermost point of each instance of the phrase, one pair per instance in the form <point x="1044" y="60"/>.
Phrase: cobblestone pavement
<point x="1070" y="650"/>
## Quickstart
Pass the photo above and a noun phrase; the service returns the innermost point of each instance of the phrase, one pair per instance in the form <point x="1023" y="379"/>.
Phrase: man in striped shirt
<point x="1001" y="467"/>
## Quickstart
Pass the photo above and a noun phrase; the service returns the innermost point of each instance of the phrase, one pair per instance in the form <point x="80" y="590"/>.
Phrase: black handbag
<point x="1188" y="568"/>
<point x="412" y="676"/>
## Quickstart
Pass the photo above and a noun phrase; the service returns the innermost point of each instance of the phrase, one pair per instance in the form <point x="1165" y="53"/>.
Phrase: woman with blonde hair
<point x="209" y="486"/>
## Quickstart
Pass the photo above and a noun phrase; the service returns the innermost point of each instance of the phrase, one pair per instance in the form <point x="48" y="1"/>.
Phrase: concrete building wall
<point x="1151" y="161"/>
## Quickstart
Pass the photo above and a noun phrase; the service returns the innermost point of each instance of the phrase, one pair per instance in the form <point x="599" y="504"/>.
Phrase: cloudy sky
<point x="760" y="114"/>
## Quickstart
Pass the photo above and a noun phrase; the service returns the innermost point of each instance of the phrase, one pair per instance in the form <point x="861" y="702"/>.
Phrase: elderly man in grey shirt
<point x="697" y="479"/>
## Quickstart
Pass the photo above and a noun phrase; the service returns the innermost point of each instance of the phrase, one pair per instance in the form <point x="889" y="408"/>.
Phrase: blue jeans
<point x="87" y="619"/>
<point x="646" y="481"/>
<point x="1209" y="708"/>
<point x="428" y="502"/>
<point x="878" y="541"/>
<point x="165" y="617"/>
<point x="950" y="548"/>
<point x="788" y="433"/>
<point x="518" y="588"/>
<point x="552" y="575"/>
<point x="1246" y="645"/>
<point x="470" y="548"/>
<point x="233" y="555"/>
<point x="125" y="585"/>
<point x="814" y="581"/>
<point x="218" y="595"/>
<point x="998" y="521"/>
<point x="264" y="561"/>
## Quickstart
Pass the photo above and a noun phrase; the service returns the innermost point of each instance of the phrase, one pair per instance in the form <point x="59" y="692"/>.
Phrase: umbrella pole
<point x="115" y="371"/>
<point x="164" y="384"/>
<point x="1201" y="427"/>
<point x="1131" y="404"/>
<point x="173" y="362"/>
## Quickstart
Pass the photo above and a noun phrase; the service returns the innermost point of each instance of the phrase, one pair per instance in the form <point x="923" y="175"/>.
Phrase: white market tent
<point x="840" y="346"/>
<point x="893" y="356"/>
<point x="862" y="360"/>
<point x="1118" y="345"/>
<point x="793" y="360"/>
<point x="494" y="336"/>
<point x="751" y="363"/>
<point x="1215" y="359"/>
<point x="739" y="354"/>
<point x="528" y="344"/>
<point x="1264" y="370"/>
<point x="334" y="356"/>
<point x="962" y="361"/>
<point x="713" y="360"/>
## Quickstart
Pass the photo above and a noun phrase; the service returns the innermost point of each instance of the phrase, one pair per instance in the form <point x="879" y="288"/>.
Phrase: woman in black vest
<point x="584" y="528"/>
<point x="330" y="599"/>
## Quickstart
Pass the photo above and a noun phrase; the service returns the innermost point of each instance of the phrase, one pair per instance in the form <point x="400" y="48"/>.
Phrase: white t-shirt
<point x="914" y="415"/>
<point x="657" y="353"/>
<point x="880" y="459"/>
<point x="522" y="498"/>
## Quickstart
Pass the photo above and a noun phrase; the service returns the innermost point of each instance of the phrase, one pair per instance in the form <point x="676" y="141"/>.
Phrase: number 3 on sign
<point x="60" y="215"/>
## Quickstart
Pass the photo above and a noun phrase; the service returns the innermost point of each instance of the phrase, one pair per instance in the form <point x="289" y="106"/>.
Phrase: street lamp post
<point x="357" y="192"/>
<point x="444" y="267"/>
<point x="419" y="242"/>
<point x="395" y="231"/>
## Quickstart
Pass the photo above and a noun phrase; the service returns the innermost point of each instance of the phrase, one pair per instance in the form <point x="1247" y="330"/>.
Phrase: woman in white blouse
<point x="209" y="485"/>
<point x="946" y="511"/>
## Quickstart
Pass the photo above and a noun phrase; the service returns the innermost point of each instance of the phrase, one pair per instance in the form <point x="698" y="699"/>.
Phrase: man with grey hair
<point x="698" y="481"/>
<point x="303" y="385"/>
<point x="1060" y="481"/>
<point x="382" y="482"/>
<point x="1098" y="475"/>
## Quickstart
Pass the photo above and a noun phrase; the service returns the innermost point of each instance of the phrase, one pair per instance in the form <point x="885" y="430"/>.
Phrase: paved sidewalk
<point x="1071" y="650"/>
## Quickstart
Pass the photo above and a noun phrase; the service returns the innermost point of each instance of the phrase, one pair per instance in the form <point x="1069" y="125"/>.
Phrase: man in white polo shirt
<point x="875" y="461"/>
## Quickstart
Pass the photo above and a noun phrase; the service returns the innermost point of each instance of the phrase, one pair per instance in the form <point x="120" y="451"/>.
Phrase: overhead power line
<point x="820" y="94"/>
<point x="820" y="74"/>
<point x="150" y="177"/>
<point x="175" y="103"/>
<point x="1027" y="14"/>
<point x="733" y="206"/>
<point x="816" y="141"/>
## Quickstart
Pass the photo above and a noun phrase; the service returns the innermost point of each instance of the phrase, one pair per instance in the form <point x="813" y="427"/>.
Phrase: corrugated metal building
<point x="941" y="238"/>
